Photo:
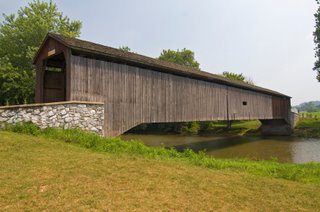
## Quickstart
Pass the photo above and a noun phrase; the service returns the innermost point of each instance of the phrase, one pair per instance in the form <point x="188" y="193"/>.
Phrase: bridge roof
<point x="90" y="48"/>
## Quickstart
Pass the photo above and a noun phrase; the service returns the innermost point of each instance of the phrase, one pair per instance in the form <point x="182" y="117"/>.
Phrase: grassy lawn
<point x="308" y="128"/>
<point x="246" y="126"/>
<point x="310" y="113"/>
<point x="41" y="173"/>
<point x="237" y="128"/>
<point x="308" y="173"/>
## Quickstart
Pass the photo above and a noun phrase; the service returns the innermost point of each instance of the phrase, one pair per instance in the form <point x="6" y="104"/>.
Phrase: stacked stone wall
<point x="84" y="115"/>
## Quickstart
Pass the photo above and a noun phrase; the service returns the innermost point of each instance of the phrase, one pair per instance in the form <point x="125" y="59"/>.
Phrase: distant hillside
<point x="313" y="106"/>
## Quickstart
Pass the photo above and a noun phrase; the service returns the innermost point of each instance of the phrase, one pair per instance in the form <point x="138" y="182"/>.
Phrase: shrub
<point x="191" y="128"/>
<point x="26" y="128"/>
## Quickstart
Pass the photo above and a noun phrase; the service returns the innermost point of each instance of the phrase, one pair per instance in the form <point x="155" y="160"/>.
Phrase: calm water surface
<point x="286" y="149"/>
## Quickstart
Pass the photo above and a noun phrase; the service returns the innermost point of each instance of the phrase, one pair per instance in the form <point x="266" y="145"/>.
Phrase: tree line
<point x="312" y="106"/>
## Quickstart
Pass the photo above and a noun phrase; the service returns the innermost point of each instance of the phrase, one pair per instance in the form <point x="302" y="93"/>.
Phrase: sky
<point x="269" y="41"/>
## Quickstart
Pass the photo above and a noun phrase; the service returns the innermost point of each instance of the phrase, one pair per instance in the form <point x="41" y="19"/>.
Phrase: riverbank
<point x="51" y="169"/>
<point x="308" y="128"/>
<point x="283" y="149"/>
<point x="238" y="128"/>
<point x="309" y="172"/>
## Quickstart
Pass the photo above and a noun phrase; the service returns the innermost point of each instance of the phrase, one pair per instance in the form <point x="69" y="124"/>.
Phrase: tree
<point x="312" y="106"/>
<point x="234" y="76"/>
<point x="125" y="48"/>
<point x="12" y="86"/>
<point x="239" y="77"/>
<point x="183" y="57"/>
<point x="20" y="37"/>
<point x="316" y="35"/>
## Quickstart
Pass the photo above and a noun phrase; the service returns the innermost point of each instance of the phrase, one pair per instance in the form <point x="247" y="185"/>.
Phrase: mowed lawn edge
<point x="40" y="173"/>
<point x="307" y="173"/>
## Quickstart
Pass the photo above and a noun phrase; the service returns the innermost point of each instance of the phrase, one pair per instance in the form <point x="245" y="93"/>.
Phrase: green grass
<point x="310" y="113"/>
<point x="247" y="126"/>
<point x="308" y="173"/>
<point x="40" y="173"/>
<point x="205" y="127"/>
<point x="237" y="128"/>
<point x="308" y="128"/>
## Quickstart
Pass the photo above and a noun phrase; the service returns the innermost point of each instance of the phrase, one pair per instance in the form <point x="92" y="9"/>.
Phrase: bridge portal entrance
<point x="54" y="82"/>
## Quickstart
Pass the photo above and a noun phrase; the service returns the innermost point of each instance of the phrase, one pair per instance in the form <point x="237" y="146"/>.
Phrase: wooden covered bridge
<point x="137" y="89"/>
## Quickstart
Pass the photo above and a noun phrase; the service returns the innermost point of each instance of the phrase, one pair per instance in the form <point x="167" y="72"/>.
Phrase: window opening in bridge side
<point x="244" y="103"/>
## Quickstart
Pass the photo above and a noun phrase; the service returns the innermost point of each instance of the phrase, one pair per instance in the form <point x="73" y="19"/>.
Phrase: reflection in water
<point x="286" y="149"/>
<point x="307" y="151"/>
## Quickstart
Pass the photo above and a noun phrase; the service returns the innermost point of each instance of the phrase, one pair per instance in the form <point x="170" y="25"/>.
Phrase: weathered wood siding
<point x="248" y="105"/>
<point x="281" y="108"/>
<point x="135" y="95"/>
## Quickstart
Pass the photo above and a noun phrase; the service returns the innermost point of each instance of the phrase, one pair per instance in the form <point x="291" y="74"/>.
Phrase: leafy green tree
<point x="125" y="48"/>
<point x="239" y="77"/>
<point x="312" y="106"/>
<point x="316" y="35"/>
<point x="183" y="57"/>
<point x="317" y="42"/>
<point x="20" y="37"/>
<point x="191" y="128"/>
<point x="13" y="84"/>
<point x="234" y="76"/>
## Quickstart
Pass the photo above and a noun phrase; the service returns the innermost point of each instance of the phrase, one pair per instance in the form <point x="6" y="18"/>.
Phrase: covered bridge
<point x="137" y="89"/>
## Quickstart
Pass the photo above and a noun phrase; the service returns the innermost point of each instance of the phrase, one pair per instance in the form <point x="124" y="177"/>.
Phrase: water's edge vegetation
<point x="199" y="128"/>
<point x="307" y="173"/>
<point x="308" y="128"/>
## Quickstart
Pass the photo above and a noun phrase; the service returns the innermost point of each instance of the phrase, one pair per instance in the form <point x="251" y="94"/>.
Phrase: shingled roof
<point x="155" y="64"/>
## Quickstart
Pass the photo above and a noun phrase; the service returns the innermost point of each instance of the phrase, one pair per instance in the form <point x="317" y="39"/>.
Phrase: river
<point x="285" y="149"/>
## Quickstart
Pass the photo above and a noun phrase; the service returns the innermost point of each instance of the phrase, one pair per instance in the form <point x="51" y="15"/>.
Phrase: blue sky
<point x="269" y="41"/>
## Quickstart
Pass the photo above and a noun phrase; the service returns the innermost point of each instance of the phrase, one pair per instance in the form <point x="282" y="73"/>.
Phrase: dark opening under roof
<point x="86" y="47"/>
